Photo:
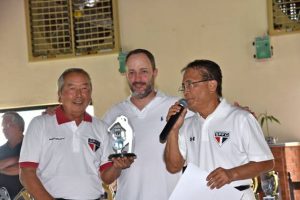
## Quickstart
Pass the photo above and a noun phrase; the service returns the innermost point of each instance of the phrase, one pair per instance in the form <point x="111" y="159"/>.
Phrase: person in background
<point x="220" y="138"/>
<point x="64" y="155"/>
<point x="13" y="127"/>
<point x="146" y="109"/>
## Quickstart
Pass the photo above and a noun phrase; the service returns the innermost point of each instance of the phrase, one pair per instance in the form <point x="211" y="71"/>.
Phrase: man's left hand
<point x="218" y="178"/>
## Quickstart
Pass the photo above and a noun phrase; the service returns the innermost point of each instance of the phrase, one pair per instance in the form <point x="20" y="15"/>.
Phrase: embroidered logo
<point x="57" y="138"/>
<point x="221" y="137"/>
<point x="192" y="139"/>
<point x="94" y="144"/>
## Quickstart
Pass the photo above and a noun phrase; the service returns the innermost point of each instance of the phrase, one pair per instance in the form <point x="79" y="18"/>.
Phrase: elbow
<point x="173" y="169"/>
<point x="267" y="166"/>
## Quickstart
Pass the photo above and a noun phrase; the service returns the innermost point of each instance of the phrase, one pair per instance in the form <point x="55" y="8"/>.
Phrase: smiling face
<point x="75" y="95"/>
<point x="140" y="75"/>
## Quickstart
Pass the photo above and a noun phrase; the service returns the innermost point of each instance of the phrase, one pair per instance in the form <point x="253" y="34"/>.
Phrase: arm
<point x="12" y="170"/>
<point x="33" y="184"/>
<point x="110" y="174"/>
<point x="173" y="158"/>
<point x="258" y="152"/>
<point x="9" y="166"/>
<point x="220" y="176"/>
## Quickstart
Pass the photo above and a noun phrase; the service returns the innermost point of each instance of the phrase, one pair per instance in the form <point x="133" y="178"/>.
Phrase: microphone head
<point x="183" y="103"/>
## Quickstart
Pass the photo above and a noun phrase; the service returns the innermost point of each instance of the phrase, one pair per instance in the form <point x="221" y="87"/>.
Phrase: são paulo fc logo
<point x="94" y="144"/>
<point x="221" y="137"/>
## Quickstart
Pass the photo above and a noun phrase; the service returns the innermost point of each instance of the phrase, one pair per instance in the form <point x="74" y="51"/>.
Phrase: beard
<point x="142" y="94"/>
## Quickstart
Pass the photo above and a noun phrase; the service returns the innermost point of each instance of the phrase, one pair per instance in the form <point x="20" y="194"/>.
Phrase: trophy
<point x="122" y="138"/>
<point x="4" y="194"/>
<point x="269" y="184"/>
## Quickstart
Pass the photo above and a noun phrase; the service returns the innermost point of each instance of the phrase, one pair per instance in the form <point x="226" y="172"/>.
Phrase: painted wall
<point x="177" y="32"/>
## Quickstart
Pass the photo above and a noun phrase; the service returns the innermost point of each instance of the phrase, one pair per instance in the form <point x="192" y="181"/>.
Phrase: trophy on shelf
<point x="269" y="185"/>
<point x="122" y="138"/>
<point x="254" y="187"/>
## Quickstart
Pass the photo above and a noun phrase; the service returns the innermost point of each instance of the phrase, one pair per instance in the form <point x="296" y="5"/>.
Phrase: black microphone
<point x="164" y="134"/>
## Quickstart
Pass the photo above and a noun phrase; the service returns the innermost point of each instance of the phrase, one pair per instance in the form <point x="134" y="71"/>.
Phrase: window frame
<point x="115" y="36"/>
<point x="271" y="23"/>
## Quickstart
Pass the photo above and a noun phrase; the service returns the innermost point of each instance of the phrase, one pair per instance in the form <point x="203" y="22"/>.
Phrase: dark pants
<point x="11" y="183"/>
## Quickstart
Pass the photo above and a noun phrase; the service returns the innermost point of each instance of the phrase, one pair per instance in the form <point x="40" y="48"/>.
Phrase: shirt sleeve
<point x="32" y="142"/>
<point x="106" y="149"/>
<point x="254" y="142"/>
<point x="182" y="145"/>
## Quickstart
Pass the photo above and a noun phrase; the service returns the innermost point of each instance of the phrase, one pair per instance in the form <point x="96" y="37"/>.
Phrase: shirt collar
<point x="62" y="118"/>
<point x="159" y="94"/>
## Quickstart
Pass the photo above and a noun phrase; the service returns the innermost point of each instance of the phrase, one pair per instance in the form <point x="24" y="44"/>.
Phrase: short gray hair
<point x="61" y="79"/>
<point x="15" y="119"/>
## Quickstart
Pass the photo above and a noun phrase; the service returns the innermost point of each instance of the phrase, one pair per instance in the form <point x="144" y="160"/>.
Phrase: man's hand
<point x="122" y="163"/>
<point x="245" y="108"/>
<point x="50" y="110"/>
<point x="219" y="177"/>
<point x="172" y="111"/>
<point x="110" y="174"/>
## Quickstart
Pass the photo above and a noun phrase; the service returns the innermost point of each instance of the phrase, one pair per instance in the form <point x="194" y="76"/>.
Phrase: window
<point x="284" y="16"/>
<point x="68" y="28"/>
<point x="28" y="113"/>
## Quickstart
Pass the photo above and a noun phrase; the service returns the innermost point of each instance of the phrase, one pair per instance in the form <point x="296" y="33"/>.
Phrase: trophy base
<point x="121" y="155"/>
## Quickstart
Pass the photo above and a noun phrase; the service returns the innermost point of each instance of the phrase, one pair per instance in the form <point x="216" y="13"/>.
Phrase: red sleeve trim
<point x="28" y="164"/>
<point x="105" y="166"/>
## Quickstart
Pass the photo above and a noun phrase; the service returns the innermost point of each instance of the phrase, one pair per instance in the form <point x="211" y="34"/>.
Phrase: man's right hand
<point x="50" y="111"/>
<point x="172" y="111"/>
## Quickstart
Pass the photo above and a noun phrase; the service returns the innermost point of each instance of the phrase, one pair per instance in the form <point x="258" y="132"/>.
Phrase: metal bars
<point x="64" y="28"/>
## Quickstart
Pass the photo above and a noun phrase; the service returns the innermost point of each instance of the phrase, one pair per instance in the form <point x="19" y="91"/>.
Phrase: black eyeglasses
<point x="190" y="85"/>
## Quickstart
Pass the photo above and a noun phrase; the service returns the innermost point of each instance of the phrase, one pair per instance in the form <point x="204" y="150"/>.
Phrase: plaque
<point x="122" y="138"/>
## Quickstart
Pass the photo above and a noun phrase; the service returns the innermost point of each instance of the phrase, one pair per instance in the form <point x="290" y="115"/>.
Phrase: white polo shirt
<point x="147" y="178"/>
<point x="67" y="157"/>
<point x="229" y="137"/>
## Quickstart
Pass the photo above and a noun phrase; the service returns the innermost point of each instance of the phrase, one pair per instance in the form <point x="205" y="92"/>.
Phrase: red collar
<point x="62" y="118"/>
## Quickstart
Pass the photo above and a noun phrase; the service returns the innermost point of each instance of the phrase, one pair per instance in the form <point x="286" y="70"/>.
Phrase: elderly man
<point x="13" y="127"/>
<point x="64" y="155"/>
<point x="221" y="139"/>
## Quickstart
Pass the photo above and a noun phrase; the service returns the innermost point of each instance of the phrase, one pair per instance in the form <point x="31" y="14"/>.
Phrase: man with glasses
<point x="220" y="138"/>
<point x="13" y="127"/>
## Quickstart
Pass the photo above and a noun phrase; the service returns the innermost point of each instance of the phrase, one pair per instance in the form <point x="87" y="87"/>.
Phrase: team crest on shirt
<point x="94" y="144"/>
<point x="221" y="137"/>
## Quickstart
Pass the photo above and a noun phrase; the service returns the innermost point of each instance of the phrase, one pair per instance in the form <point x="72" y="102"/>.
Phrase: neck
<point x="209" y="108"/>
<point x="77" y="117"/>
<point x="140" y="103"/>
<point x="18" y="138"/>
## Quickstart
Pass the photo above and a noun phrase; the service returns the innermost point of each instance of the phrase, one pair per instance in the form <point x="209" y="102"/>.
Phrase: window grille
<point x="66" y="28"/>
<point x="284" y="16"/>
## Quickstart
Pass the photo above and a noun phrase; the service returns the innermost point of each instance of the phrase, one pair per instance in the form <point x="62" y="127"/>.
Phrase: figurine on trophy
<point x="269" y="184"/>
<point x="122" y="138"/>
